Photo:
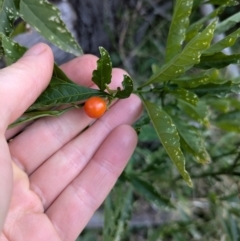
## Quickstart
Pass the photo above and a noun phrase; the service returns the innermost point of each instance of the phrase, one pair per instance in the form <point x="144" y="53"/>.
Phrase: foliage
<point x="191" y="117"/>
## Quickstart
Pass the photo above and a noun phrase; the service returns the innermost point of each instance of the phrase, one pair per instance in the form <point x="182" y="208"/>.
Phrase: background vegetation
<point x="208" y="211"/>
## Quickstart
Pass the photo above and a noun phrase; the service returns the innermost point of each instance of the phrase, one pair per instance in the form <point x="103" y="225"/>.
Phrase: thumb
<point x="22" y="82"/>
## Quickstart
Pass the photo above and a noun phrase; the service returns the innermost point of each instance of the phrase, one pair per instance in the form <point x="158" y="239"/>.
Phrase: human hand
<point x="53" y="176"/>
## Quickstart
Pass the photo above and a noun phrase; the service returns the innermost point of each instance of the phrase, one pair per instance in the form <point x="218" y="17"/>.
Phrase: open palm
<point x="54" y="175"/>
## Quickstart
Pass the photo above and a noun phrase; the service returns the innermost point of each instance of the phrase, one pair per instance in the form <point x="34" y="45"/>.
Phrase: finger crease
<point x="85" y="197"/>
<point x="107" y="166"/>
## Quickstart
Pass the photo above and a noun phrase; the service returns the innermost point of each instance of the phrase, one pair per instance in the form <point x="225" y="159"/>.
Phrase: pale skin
<point x="53" y="177"/>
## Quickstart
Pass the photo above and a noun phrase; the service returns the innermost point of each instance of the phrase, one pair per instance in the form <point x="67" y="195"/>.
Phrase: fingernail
<point x="36" y="50"/>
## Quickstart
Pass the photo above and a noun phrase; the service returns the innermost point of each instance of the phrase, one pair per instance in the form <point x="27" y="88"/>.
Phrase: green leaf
<point x="218" y="60"/>
<point x="117" y="213"/>
<point x="226" y="42"/>
<point x="20" y="28"/>
<point x="103" y="74"/>
<point x="33" y="115"/>
<point x="236" y="80"/>
<point x="228" y="23"/>
<point x="190" y="82"/>
<point x="222" y="105"/>
<point x="168" y="136"/>
<point x="192" y="31"/>
<point x="176" y="230"/>
<point x="219" y="90"/>
<point x="8" y="15"/>
<point x="148" y="191"/>
<point x="229" y="121"/>
<point x="186" y="59"/>
<point x="1" y="4"/>
<point x="198" y="113"/>
<point x="12" y="50"/>
<point x="185" y="95"/>
<point x="127" y="88"/>
<point x="179" y="24"/>
<point x="234" y="103"/>
<point x="59" y="74"/>
<point x="227" y="3"/>
<point x="230" y="125"/>
<point x="45" y="18"/>
<point x="60" y="92"/>
<point x="197" y="25"/>
<point x="148" y="134"/>
<point x="192" y="141"/>
<point x="140" y="123"/>
<point x="225" y="144"/>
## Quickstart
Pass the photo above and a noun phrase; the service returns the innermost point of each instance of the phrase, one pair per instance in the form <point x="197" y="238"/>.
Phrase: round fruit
<point x="95" y="107"/>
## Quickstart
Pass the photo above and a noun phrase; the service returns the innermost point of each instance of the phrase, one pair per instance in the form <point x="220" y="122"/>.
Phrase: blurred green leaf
<point x="127" y="88"/>
<point x="219" y="90"/>
<point x="33" y="115"/>
<point x="103" y="74"/>
<point x="226" y="143"/>
<point x="20" y="28"/>
<point x="231" y="227"/>
<point x="192" y="141"/>
<point x="148" y="191"/>
<point x="190" y="82"/>
<point x="236" y="80"/>
<point x="8" y="15"/>
<point x="117" y="213"/>
<point x="198" y="113"/>
<point x="45" y="18"/>
<point x="229" y="121"/>
<point x="193" y="31"/>
<point x="196" y="4"/>
<point x="166" y="230"/>
<point x="228" y="23"/>
<point x="233" y="196"/>
<point x="168" y="136"/>
<point x="226" y="42"/>
<point x="234" y="103"/>
<point x="196" y="26"/>
<point x="228" y="3"/>
<point x="185" y="95"/>
<point x="222" y="105"/>
<point x="235" y="211"/>
<point x="186" y="59"/>
<point x="177" y="31"/>
<point x="1" y="4"/>
<point x="12" y="50"/>
<point x="218" y="60"/>
<point x="142" y="122"/>
<point x="148" y="133"/>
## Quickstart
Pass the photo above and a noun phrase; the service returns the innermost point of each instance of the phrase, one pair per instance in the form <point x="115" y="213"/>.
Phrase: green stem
<point x="151" y="90"/>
